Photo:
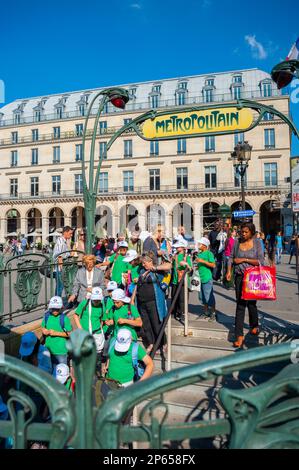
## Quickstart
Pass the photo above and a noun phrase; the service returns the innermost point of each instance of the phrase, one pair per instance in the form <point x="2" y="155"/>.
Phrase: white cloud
<point x="258" y="50"/>
<point x="136" y="6"/>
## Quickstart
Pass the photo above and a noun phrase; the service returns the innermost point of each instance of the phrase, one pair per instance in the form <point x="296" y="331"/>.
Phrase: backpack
<point x="61" y="320"/>
<point x="137" y="365"/>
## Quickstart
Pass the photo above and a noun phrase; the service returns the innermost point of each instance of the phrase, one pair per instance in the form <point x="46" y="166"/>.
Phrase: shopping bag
<point x="259" y="283"/>
<point x="195" y="284"/>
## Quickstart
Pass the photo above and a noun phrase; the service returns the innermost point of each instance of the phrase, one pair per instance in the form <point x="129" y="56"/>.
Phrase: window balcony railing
<point x="192" y="188"/>
<point x="143" y="105"/>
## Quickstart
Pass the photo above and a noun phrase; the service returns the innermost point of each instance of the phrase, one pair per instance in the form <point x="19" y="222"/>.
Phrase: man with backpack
<point x="56" y="326"/>
<point x="126" y="358"/>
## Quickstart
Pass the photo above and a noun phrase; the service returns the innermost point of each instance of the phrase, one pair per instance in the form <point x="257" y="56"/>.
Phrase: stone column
<point x="198" y="226"/>
<point x="23" y="224"/>
<point x="256" y="220"/>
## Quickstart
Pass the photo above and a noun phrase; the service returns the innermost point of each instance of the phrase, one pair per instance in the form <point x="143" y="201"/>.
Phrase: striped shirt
<point x="61" y="246"/>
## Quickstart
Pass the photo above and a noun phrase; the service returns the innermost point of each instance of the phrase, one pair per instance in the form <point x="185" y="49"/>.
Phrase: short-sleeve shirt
<point x="108" y="304"/>
<point x="123" y="312"/>
<point x="96" y="314"/>
<point x="119" y="267"/>
<point x="180" y="257"/>
<point x="56" y="344"/>
<point x="135" y="271"/>
<point x="205" y="273"/>
<point x="121" y="366"/>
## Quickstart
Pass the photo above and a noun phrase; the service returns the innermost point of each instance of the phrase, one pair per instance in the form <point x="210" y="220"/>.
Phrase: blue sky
<point x="57" y="46"/>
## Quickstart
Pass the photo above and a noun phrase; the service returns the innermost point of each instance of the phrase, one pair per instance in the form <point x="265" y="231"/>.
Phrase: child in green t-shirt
<point x="63" y="376"/>
<point x="181" y="261"/>
<point x="117" y="263"/>
<point x="206" y="262"/>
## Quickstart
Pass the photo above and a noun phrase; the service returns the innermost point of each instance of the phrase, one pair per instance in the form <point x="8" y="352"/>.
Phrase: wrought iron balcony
<point x="167" y="189"/>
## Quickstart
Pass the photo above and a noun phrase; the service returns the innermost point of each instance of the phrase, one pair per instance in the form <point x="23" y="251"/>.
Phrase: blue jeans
<point x="278" y="255"/>
<point x="59" y="283"/>
<point x="207" y="294"/>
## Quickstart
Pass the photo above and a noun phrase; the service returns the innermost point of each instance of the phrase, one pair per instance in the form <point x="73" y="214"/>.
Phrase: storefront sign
<point x="192" y="123"/>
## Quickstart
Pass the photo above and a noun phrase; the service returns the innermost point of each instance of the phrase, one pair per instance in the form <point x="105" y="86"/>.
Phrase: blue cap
<point x="28" y="342"/>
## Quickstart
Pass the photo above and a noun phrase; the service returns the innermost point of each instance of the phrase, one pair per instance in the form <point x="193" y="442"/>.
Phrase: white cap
<point x="122" y="244"/>
<point x="130" y="256"/>
<point x="204" y="241"/>
<point x="123" y="340"/>
<point x="96" y="293"/>
<point x="55" y="302"/>
<point x="144" y="235"/>
<point x="119" y="294"/>
<point x="181" y="243"/>
<point x="62" y="373"/>
<point x="112" y="285"/>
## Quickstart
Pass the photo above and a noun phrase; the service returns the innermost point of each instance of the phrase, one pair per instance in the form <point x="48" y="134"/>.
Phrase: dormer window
<point x="37" y="116"/>
<point x="266" y="88"/>
<point x="210" y="82"/>
<point x="82" y="104"/>
<point x="17" y="118"/>
<point x="237" y="79"/>
<point x="208" y="90"/>
<point x="82" y="109"/>
<point x="132" y="93"/>
<point x="236" y="87"/>
<point x="154" y="96"/>
<point x="183" y="85"/>
<point x="59" y="111"/>
<point x="156" y="89"/>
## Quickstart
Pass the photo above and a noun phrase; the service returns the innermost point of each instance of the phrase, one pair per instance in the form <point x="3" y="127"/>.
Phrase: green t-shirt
<point x="180" y="258"/>
<point x="108" y="314"/>
<point x="119" y="267"/>
<point x="135" y="271"/>
<point x="122" y="312"/>
<point x="121" y="364"/>
<point x="96" y="315"/>
<point x="56" y="344"/>
<point x="205" y="273"/>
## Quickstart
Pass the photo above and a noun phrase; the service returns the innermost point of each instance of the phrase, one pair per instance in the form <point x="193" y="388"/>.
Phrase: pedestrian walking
<point x="271" y="247"/>
<point x="61" y="251"/>
<point x="292" y="248"/>
<point x="86" y="278"/>
<point x="279" y="247"/>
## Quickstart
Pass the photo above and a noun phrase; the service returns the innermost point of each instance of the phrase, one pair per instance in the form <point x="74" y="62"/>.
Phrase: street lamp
<point x="284" y="72"/>
<point x="241" y="156"/>
<point x="119" y="98"/>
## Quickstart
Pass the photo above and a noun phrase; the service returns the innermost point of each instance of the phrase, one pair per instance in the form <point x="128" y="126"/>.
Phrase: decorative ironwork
<point x="266" y="415"/>
<point x="28" y="284"/>
<point x="68" y="274"/>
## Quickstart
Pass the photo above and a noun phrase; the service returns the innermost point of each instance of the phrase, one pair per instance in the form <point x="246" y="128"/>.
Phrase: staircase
<point x="209" y="340"/>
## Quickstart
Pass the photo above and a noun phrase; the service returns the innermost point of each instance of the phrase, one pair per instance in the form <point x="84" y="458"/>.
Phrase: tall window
<point x="210" y="143"/>
<point x="154" y="147"/>
<point x="56" y="154"/>
<point x="128" y="148"/>
<point x="34" y="156"/>
<point x="182" y="146"/>
<point x="37" y="116"/>
<point x="128" y="179"/>
<point x="17" y="118"/>
<point x="78" y="152"/>
<point x="155" y="101"/>
<point x="14" y="137"/>
<point x="82" y="109"/>
<point x="103" y="150"/>
<point x="127" y="121"/>
<point x="78" y="184"/>
<point x="34" y="133"/>
<point x="56" y="185"/>
<point x="270" y="173"/>
<point x="14" y="158"/>
<point x="268" y="117"/>
<point x="266" y="89"/>
<point x="56" y="132"/>
<point x="237" y="178"/>
<point x="103" y="127"/>
<point x="154" y="180"/>
<point x="182" y="178"/>
<point x="269" y="138"/>
<point x="210" y="177"/>
<point x="239" y="138"/>
<point x="14" y="187"/>
<point x="59" y="112"/>
<point x="34" y="186"/>
<point x="103" y="182"/>
<point x="208" y="96"/>
<point x="180" y="99"/>
<point x="79" y="129"/>
<point x="236" y="92"/>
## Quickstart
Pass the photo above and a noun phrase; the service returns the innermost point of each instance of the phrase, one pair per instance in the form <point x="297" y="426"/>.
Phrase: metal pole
<point x="169" y="344"/>
<point x="186" y="325"/>
<point x="242" y="172"/>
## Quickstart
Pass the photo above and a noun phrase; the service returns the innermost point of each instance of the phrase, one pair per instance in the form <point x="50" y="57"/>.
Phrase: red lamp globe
<point x="118" y="101"/>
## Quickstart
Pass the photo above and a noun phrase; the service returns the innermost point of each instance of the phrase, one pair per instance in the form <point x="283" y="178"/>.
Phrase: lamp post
<point x="118" y="97"/>
<point x="241" y="156"/>
<point x="284" y="72"/>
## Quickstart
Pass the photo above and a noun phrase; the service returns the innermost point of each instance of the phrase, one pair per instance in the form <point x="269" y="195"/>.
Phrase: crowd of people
<point x="124" y="289"/>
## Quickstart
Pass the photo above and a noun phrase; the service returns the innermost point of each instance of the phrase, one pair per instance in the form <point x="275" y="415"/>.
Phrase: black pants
<point x="218" y="265"/>
<point x="151" y="324"/>
<point x="241" y="307"/>
<point x="179" y="306"/>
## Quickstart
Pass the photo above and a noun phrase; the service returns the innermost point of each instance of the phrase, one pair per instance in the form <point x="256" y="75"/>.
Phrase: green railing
<point x="27" y="282"/>
<point x="261" y="416"/>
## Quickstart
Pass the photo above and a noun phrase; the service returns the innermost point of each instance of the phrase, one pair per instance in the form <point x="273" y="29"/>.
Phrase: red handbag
<point x="259" y="283"/>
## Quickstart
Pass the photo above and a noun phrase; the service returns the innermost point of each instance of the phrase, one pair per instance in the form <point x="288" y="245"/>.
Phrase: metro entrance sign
<point x="241" y="214"/>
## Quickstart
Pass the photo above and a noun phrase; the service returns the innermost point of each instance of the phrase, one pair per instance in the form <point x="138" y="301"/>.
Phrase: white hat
<point x="181" y="243"/>
<point x="119" y="294"/>
<point x="96" y="293"/>
<point x="112" y="285"/>
<point x="130" y="256"/>
<point x="55" y="302"/>
<point x="204" y="241"/>
<point x="123" y="340"/>
<point x="62" y="373"/>
<point x="122" y="244"/>
<point x="144" y="235"/>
